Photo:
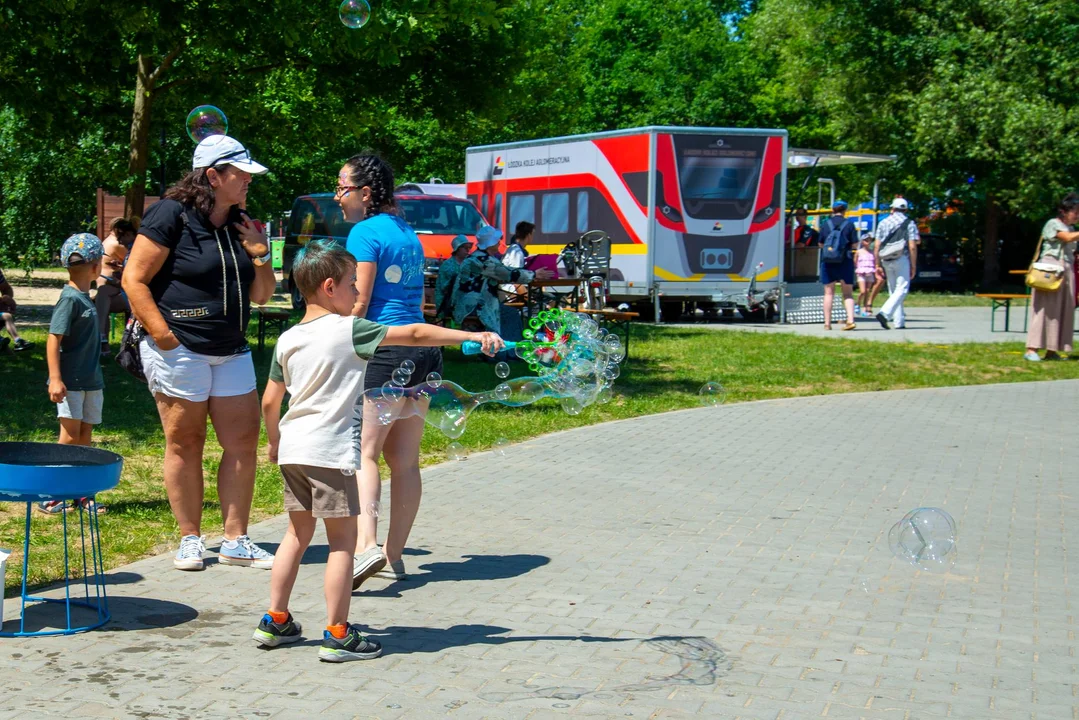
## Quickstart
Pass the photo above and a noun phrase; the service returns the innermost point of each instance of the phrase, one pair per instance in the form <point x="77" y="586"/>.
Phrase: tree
<point x="977" y="97"/>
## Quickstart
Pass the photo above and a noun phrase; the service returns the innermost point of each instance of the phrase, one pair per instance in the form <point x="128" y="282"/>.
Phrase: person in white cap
<point x="447" y="275"/>
<point x="197" y="264"/>
<point x="896" y="250"/>
<point x="479" y="278"/>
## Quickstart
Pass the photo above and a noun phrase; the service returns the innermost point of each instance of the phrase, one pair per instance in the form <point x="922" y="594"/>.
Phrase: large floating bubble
<point x="574" y="365"/>
<point x="925" y="538"/>
<point x="354" y="14"/>
<point x="206" y="120"/>
<point x="456" y="451"/>
<point x="712" y="393"/>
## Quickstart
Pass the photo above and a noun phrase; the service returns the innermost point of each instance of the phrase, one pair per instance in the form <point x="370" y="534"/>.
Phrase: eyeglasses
<point x="342" y="189"/>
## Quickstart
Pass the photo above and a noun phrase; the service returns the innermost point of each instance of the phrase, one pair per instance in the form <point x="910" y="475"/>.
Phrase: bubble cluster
<point x="712" y="393"/>
<point x="206" y="120"/>
<point x="354" y="14"/>
<point x="925" y="538"/>
<point x="575" y="365"/>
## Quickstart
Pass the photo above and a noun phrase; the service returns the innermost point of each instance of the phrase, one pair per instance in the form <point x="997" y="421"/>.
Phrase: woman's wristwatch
<point x="260" y="261"/>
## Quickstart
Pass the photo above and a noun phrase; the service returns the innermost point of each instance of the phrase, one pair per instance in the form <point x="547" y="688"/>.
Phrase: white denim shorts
<point x="82" y="405"/>
<point x="181" y="373"/>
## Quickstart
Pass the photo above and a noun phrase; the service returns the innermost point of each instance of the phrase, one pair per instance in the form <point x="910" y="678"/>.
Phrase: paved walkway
<point x="722" y="562"/>
<point x="943" y="325"/>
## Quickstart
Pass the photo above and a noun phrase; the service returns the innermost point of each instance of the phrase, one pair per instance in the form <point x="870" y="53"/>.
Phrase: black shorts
<point x="389" y="357"/>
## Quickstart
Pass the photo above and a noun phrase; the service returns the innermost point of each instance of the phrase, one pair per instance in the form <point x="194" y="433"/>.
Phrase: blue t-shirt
<point x="397" y="297"/>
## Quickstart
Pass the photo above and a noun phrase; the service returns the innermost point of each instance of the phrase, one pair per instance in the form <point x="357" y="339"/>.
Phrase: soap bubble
<point x="408" y="366"/>
<point x="501" y="445"/>
<point x="434" y="379"/>
<point x="400" y="377"/>
<point x="571" y="406"/>
<point x="206" y="120"/>
<point x="712" y="393"/>
<point x="354" y="14"/>
<point x="925" y="538"/>
<point x="374" y="509"/>
<point x="604" y="396"/>
<point x="348" y="470"/>
<point x="456" y="451"/>
<point x="503" y="392"/>
<point x="502" y="370"/>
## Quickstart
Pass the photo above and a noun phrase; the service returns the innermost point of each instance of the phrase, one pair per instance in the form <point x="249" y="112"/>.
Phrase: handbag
<point x="890" y="250"/>
<point x="1046" y="277"/>
<point x="130" y="357"/>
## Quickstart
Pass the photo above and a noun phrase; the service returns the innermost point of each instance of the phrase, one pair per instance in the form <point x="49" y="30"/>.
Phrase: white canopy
<point x="803" y="158"/>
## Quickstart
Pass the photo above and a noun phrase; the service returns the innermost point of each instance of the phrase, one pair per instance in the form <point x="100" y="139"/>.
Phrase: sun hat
<point x="488" y="236"/>
<point x="85" y="245"/>
<point x="458" y="241"/>
<point x="223" y="150"/>
<point x="900" y="204"/>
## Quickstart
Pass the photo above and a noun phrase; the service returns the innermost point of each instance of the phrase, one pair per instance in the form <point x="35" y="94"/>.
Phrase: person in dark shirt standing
<point x="197" y="263"/>
<point x="803" y="234"/>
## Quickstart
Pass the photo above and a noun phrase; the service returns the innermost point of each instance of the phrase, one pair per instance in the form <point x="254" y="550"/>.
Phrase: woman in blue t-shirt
<point x="389" y="276"/>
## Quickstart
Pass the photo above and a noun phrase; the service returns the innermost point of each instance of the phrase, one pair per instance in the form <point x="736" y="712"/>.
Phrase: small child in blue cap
<point x="76" y="384"/>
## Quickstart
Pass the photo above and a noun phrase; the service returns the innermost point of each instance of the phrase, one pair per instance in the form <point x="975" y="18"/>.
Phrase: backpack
<point x="834" y="249"/>
<point x="890" y="249"/>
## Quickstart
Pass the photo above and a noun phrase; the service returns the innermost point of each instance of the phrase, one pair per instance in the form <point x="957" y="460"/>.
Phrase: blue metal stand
<point x="99" y="603"/>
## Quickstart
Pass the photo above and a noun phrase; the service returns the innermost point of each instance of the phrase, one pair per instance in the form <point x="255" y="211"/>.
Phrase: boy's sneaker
<point x="21" y="345"/>
<point x="189" y="556"/>
<point x="270" y="634"/>
<point x="245" y="553"/>
<point x="353" y="646"/>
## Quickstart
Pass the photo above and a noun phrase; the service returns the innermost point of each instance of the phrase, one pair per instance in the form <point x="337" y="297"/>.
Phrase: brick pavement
<point x="726" y="562"/>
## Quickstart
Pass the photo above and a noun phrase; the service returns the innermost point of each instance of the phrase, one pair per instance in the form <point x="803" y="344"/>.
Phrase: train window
<point x="582" y="211"/>
<point x="555" y="213"/>
<point x="522" y="207"/>
<point x="498" y="211"/>
<point x="483" y="206"/>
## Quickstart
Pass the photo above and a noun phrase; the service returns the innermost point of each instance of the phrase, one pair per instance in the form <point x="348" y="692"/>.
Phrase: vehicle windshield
<point x="719" y="178"/>
<point x="317" y="217"/>
<point x="441" y="216"/>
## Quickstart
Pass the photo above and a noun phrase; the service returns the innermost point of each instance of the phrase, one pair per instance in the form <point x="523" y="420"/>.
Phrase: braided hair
<point x="373" y="172"/>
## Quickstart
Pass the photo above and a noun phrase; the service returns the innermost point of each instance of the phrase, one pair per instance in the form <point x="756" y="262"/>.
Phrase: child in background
<point x="865" y="267"/>
<point x="76" y="384"/>
<point x="321" y="363"/>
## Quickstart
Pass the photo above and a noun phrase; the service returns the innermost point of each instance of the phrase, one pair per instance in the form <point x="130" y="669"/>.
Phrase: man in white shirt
<point x="896" y="250"/>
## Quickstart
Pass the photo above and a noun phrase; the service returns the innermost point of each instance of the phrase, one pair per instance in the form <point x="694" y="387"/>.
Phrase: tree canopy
<point x="977" y="98"/>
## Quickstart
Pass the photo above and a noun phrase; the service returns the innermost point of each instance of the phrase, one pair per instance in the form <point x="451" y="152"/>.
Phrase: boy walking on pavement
<point x="321" y="363"/>
<point x="76" y="384"/>
<point x="896" y="249"/>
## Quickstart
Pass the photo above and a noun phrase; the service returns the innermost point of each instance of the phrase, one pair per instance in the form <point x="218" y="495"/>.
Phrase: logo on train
<point x="500" y="166"/>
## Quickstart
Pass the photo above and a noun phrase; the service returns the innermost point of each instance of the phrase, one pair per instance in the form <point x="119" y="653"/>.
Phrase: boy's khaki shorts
<point x="323" y="492"/>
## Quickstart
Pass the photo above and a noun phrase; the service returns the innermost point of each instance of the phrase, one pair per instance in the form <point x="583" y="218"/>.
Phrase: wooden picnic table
<point x="1004" y="300"/>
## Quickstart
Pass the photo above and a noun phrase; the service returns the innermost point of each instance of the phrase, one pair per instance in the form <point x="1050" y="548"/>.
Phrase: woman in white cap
<point x="197" y="264"/>
<point x="447" y="275"/>
<point x="479" y="278"/>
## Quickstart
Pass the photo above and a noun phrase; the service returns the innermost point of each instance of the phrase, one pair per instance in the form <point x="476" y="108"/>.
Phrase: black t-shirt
<point x="202" y="289"/>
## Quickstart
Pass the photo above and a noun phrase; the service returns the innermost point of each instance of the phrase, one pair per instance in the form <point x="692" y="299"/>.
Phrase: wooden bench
<point x="616" y="319"/>
<point x="276" y="316"/>
<point x="1004" y="300"/>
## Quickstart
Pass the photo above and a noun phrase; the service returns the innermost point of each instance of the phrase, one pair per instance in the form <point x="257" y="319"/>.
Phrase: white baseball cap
<point x="223" y="150"/>
<point x="488" y="236"/>
<point x="900" y="204"/>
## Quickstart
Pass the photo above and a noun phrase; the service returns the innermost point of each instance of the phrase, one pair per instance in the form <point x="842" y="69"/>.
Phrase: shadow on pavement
<point x="128" y="614"/>
<point x="475" y="567"/>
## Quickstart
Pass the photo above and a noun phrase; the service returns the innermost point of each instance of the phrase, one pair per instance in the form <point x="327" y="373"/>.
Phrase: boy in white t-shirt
<point x="321" y="362"/>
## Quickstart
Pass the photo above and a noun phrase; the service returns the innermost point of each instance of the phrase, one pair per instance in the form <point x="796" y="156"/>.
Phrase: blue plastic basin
<point x="46" y="471"/>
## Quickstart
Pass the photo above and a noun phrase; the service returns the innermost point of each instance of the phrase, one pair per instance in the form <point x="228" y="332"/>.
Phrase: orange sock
<point x="278" y="617"/>
<point x="338" y="631"/>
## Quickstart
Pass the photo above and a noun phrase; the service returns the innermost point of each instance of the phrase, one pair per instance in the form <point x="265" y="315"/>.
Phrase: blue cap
<point x="839" y="204"/>
<point x="85" y="245"/>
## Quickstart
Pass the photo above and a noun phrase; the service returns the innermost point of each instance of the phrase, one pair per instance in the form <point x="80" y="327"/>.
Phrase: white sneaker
<point x="189" y="556"/>
<point x="245" y="553"/>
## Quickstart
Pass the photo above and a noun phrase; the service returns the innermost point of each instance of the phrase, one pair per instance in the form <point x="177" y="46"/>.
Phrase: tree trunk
<point x="140" y="139"/>
<point x="991" y="248"/>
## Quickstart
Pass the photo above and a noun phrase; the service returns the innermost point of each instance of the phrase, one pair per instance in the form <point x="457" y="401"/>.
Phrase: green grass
<point x="665" y="371"/>
<point x="923" y="298"/>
